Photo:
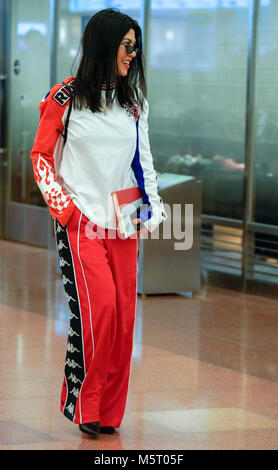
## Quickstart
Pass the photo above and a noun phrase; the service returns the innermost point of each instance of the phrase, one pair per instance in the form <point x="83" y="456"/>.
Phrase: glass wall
<point x="29" y="81"/>
<point x="197" y="89"/>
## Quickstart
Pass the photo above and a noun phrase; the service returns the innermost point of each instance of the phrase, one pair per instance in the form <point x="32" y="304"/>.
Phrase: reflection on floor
<point x="204" y="371"/>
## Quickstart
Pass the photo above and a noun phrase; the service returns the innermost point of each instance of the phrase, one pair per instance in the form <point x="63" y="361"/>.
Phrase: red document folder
<point x="126" y="201"/>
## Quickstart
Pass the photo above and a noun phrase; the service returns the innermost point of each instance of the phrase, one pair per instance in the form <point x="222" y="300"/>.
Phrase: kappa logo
<point x="62" y="96"/>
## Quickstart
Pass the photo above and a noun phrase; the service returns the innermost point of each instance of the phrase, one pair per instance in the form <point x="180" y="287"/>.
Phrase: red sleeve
<point x="47" y="142"/>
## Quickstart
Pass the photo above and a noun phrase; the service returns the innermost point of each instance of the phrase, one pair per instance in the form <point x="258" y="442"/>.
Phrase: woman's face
<point x="123" y="58"/>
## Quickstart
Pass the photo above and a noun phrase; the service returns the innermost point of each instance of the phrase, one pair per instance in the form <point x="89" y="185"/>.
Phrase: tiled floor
<point x="204" y="371"/>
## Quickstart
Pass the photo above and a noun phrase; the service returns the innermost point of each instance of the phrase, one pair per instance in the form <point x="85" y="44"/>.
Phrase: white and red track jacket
<point x="104" y="152"/>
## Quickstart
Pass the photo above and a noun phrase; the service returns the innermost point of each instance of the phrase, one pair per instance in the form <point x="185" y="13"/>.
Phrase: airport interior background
<point x="211" y="77"/>
<point x="211" y="68"/>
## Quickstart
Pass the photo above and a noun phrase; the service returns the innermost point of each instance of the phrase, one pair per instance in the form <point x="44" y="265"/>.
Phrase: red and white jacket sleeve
<point x="48" y="143"/>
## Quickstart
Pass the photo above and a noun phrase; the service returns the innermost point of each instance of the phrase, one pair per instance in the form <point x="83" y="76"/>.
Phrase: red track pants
<point x="100" y="280"/>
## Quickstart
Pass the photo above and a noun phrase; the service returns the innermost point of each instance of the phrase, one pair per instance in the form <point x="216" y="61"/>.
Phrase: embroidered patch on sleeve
<point x="62" y="96"/>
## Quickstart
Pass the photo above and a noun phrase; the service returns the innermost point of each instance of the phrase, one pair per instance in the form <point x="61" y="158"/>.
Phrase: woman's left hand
<point x="143" y="229"/>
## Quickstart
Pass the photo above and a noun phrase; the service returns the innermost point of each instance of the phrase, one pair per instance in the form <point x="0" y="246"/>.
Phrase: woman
<point x="97" y="121"/>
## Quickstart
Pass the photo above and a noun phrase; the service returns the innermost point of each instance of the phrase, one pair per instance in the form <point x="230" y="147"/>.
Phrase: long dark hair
<point x="98" y="65"/>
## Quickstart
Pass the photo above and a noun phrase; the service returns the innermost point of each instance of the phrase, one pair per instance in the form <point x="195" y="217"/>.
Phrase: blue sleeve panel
<point x="146" y="212"/>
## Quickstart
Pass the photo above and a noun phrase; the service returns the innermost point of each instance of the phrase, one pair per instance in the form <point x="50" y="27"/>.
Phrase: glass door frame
<point x="23" y="222"/>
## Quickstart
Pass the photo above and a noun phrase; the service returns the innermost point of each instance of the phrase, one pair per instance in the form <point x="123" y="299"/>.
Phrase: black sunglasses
<point x="130" y="48"/>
